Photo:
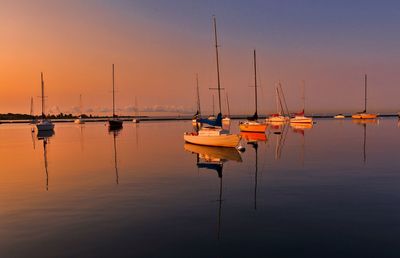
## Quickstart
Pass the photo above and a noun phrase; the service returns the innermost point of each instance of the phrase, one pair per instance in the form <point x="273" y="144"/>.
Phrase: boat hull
<point x="79" y="121"/>
<point x="228" y="140"/>
<point x="277" y="119"/>
<point x="45" y="126"/>
<point x="249" y="127"/>
<point x="364" y="116"/>
<point x="339" y="116"/>
<point x="301" y="120"/>
<point x="115" y="123"/>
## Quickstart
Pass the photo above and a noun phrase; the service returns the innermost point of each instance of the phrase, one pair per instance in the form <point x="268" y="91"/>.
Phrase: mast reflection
<point x="253" y="139"/>
<point x="213" y="158"/>
<point x="363" y="123"/>
<point x="115" y="132"/>
<point x="45" y="137"/>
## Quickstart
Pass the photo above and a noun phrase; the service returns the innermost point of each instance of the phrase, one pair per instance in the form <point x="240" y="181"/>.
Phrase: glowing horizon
<point x="158" y="47"/>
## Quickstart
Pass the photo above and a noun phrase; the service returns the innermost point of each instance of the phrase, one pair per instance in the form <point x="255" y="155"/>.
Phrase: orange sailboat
<point x="252" y="124"/>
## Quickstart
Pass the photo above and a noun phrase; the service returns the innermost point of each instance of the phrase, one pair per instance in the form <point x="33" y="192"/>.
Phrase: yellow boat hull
<point x="364" y="116"/>
<point x="257" y="128"/>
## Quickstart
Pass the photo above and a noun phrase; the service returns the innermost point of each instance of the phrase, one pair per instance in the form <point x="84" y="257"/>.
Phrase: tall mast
<point x="41" y="77"/>
<point x="216" y="53"/>
<point x="303" y="94"/>
<point x="227" y="105"/>
<point x="198" y="94"/>
<point x="277" y="101"/>
<point x="255" y="83"/>
<point x="365" y="93"/>
<point x="113" y="90"/>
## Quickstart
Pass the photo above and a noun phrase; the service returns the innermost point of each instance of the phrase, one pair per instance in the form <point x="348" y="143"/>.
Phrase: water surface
<point x="328" y="191"/>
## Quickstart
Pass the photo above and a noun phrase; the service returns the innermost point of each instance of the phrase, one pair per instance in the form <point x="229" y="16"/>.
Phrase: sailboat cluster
<point x="212" y="130"/>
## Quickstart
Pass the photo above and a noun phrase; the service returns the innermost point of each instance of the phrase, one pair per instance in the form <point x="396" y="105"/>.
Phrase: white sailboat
<point x="44" y="124"/>
<point x="114" y="122"/>
<point x="299" y="117"/>
<point x="279" y="117"/>
<point x="80" y="120"/>
<point x="214" y="135"/>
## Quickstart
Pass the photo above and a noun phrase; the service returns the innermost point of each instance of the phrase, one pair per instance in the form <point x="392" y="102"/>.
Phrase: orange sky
<point x="157" y="57"/>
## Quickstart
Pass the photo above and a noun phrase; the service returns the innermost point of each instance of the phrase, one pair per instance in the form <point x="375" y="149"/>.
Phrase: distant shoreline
<point x="160" y="118"/>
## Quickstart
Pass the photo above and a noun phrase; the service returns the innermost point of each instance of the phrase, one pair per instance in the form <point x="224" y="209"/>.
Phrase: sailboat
<point x="279" y="116"/>
<point x="198" y="112"/>
<point x="227" y="119"/>
<point x="114" y="122"/>
<point x="136" y="119"/>
<point x="364" y="114"/>
<point x="44" y="123"/>
<point x="214" y="134"/>
<point x="80" y="120"/>
<point x="299" y="117"/>
<point x="252" y="125"/>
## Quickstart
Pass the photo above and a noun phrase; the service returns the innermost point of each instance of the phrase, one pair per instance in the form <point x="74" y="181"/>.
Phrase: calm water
<point x="329" y="191"/>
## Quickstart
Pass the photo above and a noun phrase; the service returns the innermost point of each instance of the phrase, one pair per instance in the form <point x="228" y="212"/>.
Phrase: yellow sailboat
<point x="364" y="114"/>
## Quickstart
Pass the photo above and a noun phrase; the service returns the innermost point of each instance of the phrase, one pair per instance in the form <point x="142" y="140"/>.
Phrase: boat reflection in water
<point x="300" y="129"/>
<point x="253" y="139"/>
<point x="45" y="137"/>
<point x="115" y="132"/>
<point x="213" y="158"/>
<point x="280" y="133"/>
<point x="363" y="123"/>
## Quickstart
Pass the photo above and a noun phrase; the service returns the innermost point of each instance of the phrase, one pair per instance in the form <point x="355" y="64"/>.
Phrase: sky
<point x="158" y="47"/>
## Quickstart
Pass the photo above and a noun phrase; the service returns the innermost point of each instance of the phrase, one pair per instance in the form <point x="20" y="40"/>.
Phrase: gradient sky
<point x="158" y="47"/>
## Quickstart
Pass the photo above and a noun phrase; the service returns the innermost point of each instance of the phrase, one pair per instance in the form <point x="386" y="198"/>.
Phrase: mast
<point x="303" y="95"/>
<point x="136" y="108"/>
<point x="365" y="93"/>
<point x="31" y="113"/>
<point x="216" y="53"/>
<point x="41" y="77"/>
<point x="283" y="98"/>
<point x="80" y="104"/>
<point x="213" y="106"/>
<point x="198" y="94"/>
<point x="113" y="86"/>
<point x="255" y="84"/>
<point x="227" y="104"/>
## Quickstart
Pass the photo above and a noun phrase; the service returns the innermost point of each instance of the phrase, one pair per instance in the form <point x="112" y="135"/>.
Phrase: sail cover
<point x="216" y="122"/>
